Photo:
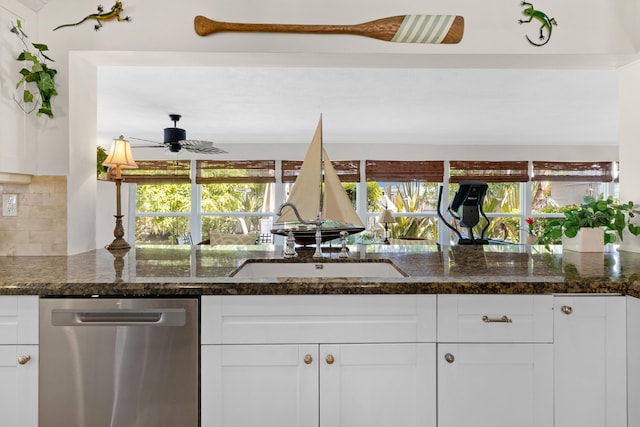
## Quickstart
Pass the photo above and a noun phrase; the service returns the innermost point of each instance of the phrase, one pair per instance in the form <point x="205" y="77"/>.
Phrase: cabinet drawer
<point x="318" y="319"/>
<point x="18" y="319"/>
<point x="495" y="318"/>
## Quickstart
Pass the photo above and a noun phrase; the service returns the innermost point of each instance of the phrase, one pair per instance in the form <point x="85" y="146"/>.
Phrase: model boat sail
<point x="313" y="200"/>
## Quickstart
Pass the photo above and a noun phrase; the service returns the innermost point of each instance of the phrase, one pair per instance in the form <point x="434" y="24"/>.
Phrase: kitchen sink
<point x="277" y="268"/>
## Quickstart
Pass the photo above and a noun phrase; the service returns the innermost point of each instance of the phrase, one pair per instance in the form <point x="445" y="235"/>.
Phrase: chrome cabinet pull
<point x="308" y="359"/>
<point x="503" y="319"/>
<point x="23" y="360"/>
<point x="566" y="309"/>
<point x="449" y="358"/>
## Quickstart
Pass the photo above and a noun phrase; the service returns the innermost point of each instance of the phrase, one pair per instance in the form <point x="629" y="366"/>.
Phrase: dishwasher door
<point x="118" y="362"/>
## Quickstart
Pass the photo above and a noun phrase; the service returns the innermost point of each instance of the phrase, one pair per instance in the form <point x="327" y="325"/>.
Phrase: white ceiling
<point x="269" y="104"/>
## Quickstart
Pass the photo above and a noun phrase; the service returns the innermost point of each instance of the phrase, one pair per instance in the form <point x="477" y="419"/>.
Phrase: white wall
<point x="629" y="147"/>
<point x="81" y="152"/>
<point x="18" y="148"/>
<point x="66" y="145"/>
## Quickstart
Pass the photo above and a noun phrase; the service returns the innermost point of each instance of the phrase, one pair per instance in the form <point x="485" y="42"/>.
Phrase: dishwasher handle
<point x="123" y="317"/>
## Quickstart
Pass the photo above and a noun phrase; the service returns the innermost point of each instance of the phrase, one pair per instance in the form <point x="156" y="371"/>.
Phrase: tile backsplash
<point x="40" y="227"/>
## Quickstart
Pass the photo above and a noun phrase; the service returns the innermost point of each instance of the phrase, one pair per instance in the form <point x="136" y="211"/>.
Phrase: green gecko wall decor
<point x="547" y="23"/>
<point x="114" y="13"/>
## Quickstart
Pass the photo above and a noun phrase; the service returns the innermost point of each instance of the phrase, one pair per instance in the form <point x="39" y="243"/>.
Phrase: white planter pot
<point x="587" y="240"/>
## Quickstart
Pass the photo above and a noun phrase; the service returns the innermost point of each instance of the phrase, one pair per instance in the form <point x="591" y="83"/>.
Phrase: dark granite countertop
<point x="203" y="270"/>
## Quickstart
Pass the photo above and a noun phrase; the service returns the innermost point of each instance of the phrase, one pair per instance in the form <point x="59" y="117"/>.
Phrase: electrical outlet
<point x="9" y="205"/>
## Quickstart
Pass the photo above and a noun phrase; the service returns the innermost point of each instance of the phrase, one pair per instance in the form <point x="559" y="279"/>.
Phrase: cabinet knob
<point x="566" y="309"/>
<point x="449" y="358"/>
<point x="330" y="359"/>
<point x="308" y="359"/>
<point x="23" y="360"/>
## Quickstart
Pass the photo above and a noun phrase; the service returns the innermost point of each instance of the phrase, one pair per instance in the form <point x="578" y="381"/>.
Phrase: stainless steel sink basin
<point x="317" y="269"/>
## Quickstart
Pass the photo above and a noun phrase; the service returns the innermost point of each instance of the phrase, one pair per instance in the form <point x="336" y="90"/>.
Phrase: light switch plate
<point x="9" y="205"/>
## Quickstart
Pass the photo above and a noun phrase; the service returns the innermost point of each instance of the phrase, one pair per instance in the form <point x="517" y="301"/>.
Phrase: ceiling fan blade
<point x="202" y="147"/>
<point x="159" y="144"/>
<point x="205" y="150"/>
<point x="147" y="146"/>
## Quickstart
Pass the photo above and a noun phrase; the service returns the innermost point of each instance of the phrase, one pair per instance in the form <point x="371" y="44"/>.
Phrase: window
<point x="502" y="203"/>
<point x="174" y="198"/>
<point x="410" y="190"/>
<point x="237" y="196"/>
<point x="347" y="170"/>
<point x="558" y="184"/>
<point x="163" y="200"/>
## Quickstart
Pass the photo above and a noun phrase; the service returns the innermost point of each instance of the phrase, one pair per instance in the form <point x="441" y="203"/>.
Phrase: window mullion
<point x="195" y="218"/>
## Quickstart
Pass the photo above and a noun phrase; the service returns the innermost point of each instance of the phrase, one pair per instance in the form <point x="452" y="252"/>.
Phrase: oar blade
<point x="432" y="29"/>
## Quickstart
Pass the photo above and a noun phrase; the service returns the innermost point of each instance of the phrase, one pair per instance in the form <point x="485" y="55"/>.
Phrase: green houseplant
<point x="40" y="74"/>
<point x="596" y="212"/>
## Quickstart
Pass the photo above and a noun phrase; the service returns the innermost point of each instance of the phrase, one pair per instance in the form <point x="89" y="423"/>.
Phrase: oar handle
<point x="402" y="28"/>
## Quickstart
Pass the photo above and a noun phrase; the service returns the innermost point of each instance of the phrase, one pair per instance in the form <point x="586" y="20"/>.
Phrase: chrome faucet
<point x="317" y="222"/>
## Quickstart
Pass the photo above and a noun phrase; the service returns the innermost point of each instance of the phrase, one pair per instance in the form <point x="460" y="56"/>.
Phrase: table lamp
<point x="386" y="218"/>
<point x="119" y="157"/>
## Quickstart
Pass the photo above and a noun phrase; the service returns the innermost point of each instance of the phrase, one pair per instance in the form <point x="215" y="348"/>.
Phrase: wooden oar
<point x="402" y="29"/>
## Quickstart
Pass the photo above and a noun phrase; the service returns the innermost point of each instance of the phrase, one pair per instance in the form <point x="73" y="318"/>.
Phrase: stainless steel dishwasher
<point x="113" y="362"/>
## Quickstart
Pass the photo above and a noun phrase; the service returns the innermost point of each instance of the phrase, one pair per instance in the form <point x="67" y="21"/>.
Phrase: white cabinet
<point x="495" y="385"/>
<point x="590" y="361"/>
<point x="260" y="385"/>
<point x="19" y="361"/>
<point x="378" y="385"/>
<point x="633" y="358"/>
<point x="495" y="360"/>
<point x="380" y="360"/>
<point x="318" y="361"/>
<point x="319" y="385"/>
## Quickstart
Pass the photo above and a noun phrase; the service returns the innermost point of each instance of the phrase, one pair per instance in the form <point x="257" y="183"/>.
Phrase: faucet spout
<point x="295" y="212"/>
<point x="317" y="222"/>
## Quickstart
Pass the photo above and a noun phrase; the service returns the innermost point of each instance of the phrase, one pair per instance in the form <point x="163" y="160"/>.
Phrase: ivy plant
<point x="39" y="74"/>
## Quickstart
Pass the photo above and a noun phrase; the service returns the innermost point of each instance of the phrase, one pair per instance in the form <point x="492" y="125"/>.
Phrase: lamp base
<point x="118" y="244"/>
<point x="118" y="233"/>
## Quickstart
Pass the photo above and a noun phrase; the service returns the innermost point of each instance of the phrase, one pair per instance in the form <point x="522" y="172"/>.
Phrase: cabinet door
<point x="377" y="385"/>
<point x="590" y="361"/>
<point x="19" y="385"/>
<point x="495" y="385"/>
<point x="259" y="385"/>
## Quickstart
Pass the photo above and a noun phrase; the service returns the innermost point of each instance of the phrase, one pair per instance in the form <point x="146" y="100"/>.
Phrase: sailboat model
<point x="317" y="194"/>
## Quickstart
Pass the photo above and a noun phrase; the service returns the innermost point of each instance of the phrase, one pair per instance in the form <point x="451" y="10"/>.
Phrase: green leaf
<point x="571" y="231"/>
<point x="28" y="56"/>
<point x="45" y="111"/>
<point x="41" y="47"/>
<point x="27" y="96"/>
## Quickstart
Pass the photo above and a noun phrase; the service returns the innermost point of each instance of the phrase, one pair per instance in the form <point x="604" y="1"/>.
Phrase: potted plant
<point x="597" y="221"/>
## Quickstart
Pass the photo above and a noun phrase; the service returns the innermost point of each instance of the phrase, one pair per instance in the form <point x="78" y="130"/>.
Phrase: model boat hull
<point x="306" y="237"/>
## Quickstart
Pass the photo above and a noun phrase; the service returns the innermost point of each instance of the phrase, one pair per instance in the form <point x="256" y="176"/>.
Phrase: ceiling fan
<point x="175" y="139"/>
